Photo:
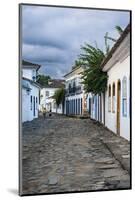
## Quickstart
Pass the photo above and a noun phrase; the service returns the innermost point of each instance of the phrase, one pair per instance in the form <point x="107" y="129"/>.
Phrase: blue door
<point x="90" y="106"/>
<point x="95" y="107"/>
<point x="76" y="106"/>
<point x="34" y="107"/>
<point x="79" y="106"/>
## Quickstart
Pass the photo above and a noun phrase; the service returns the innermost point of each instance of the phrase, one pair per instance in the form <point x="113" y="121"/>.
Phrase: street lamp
<point x="28" y="89"/>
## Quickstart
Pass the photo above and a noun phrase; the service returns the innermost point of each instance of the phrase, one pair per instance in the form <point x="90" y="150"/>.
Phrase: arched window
<point x="113" y="98"/>
<point x="124" y="96"/>
<point x="109" y="98"/>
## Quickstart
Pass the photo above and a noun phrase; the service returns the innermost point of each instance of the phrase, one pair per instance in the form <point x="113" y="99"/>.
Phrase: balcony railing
<point x="73" y="90"/>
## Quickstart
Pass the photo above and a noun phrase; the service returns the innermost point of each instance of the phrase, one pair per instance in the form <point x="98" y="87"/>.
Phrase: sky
<point x="52" y="36"/>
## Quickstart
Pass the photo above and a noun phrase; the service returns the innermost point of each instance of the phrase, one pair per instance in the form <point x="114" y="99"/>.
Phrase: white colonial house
<point x="76" y="98"/>
<point x="96" y="106"/>
<point x="30" y="91"/>
<point x="113" y="107"/>
<point x="46" y="96"/>
<point x="117" y="96"/>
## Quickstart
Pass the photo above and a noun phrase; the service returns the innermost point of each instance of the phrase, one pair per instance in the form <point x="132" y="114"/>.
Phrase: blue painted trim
<point x="124" y="115"/>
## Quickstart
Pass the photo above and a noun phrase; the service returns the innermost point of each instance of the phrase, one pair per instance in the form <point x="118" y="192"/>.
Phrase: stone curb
<point x="120" y="150"/>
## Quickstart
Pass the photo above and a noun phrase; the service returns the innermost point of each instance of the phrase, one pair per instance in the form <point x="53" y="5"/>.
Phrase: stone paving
<point x="62" y="154"/>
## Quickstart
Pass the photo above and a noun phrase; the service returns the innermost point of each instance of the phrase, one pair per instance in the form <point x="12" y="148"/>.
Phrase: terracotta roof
<point x="55" y="83"/>
<point x="29" y="64"/>
<point x="116" y="45"/>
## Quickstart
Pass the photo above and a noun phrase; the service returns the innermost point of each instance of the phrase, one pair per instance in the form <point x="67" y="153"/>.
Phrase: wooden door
<point x="118" y="106"/>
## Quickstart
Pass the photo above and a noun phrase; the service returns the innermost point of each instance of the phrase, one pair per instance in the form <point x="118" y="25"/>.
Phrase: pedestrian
<point x="50" y="114"/>
<point x="44" y="112"/>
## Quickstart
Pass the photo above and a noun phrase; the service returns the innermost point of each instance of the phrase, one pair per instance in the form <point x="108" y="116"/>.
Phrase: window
<point x="47" y="93"/>
<point x="33" y="75"/>
<point x="31" y="102"/>
<point x="109" y="98"/>
<point x="124" y="96"/>
<point x="113" y="98"/>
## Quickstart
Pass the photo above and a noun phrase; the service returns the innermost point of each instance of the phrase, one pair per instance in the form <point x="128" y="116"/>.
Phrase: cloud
<point x="44" y="53"/>
<point x="52" y="36"/>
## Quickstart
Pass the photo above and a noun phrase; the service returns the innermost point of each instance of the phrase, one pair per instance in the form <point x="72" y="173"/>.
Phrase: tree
<point x="59" y="97"/>
<point x="118" y="29"/>
<point x="77" y="64"/>
<point x="93" y="78"/>
<point x="43" y="80"/>
<point x="107" y="46"/>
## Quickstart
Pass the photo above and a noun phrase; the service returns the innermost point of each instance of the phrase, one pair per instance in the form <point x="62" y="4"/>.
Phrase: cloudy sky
<point x="52" y="36"/>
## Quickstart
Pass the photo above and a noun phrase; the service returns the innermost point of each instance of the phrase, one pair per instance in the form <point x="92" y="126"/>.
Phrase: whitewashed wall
<point x="45" y="100"/>
<point x="29" y="73"/>
<point x="27" y="113"/>
<point x="117" y="72"/>
<point x="25" y="105"/>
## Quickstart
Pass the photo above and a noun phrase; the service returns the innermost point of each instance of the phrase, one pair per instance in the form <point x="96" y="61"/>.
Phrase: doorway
<point x="118" y="106"/>
<point x="34" y="107"/>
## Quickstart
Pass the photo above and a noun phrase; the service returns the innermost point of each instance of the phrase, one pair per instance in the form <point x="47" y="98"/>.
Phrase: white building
<point x="117" y="97"/>
<point x="30" y="91"/>
<point x="75" y="100"/>
<point x="46" y="96"/>
<point x="96" y="107"/>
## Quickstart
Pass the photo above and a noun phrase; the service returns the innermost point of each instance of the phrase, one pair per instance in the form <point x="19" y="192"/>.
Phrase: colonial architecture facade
<point x="47" y="99"/>
<point x="96" y="106"/>
<point x="113" y="107"/>
<point x="30" y="91"/>
<point x="117" y="96"/>
<point x="76" y="98"/>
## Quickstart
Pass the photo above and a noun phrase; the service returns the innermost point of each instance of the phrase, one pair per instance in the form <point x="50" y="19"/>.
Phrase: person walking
<point x="44" y="112"/>
<point x="50" y="113"/>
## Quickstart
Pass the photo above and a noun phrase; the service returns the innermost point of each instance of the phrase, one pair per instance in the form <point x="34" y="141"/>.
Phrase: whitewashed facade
<point x="117" y="97"/>
<point x="30" y="91"/>
<point x="113" y="107"/>
<point x="76" y="98"/>
<point x="46" y="97"/>
<point x="97" y="108"/>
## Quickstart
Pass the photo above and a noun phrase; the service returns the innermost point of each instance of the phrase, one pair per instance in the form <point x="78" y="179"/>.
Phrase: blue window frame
<point x="124" y="96"/>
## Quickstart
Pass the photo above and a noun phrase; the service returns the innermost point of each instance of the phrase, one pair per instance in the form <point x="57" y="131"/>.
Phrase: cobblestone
<point x="62" y="154"/>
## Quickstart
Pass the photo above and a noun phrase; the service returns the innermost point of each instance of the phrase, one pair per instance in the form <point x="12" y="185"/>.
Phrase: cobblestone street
<point x="62" y="154"/>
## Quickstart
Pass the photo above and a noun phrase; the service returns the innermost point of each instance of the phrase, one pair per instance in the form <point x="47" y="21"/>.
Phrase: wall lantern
<point x="28" y="91"/>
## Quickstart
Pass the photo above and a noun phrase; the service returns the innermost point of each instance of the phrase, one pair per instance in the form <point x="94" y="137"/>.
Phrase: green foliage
<point x="93" y="78"/>
<point x="107" y="47"/>
<point x="119" y="29"/>
<point x="43" y="80"/>
<point x="78" y="63"/>
<point x="59" y="96"/>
